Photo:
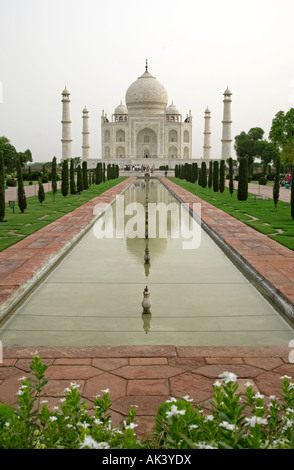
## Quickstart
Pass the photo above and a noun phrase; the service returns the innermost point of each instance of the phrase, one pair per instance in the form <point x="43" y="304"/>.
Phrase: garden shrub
<point x="236" y="420"/>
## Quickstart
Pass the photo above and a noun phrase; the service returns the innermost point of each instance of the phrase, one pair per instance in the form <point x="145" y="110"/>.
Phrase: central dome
<point x="146" y="94"/>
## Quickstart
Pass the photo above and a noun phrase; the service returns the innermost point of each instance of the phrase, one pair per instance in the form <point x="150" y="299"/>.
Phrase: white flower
<point x="69" y="426"/>
<point x="90" y="442"/>
<point x="228" y="426"/>
<point x="118" y="431"/>
<point x="7" y="424"/>
<point x="97" y="396"/>
<point x="105" y="391"/>
<point x="255" y="420"/>
<point x="272" y="397"/>
<point x="74" y="385"/>
<point x="44" y="401"/>
<point x="55" y="408"/>
<point x="22" y="378"/>
<point x="20" y="392"/>
<point x="97" y="421"/>
<point x="217" y="384"/>
<point x="67" y="389"/>
<point x="172" y="400"/>
<point x="203" y="445"/>
<point x="175" y="412"/>
<point x="62" y="400"/>
<point x="290" y="410"/>
<point x="34" y="353"/>
<point x="228" y="377"/>
<point x="258" y="395"/>
<point x="83" y="425"/>
<point x="248" y="384"/>
<point x="187" y="398"/>
<point x="131" y="426"/>
<point x="286" y="377"/>
<point x="52" y="418"/>
<point x="193" y="426"/>
<point x="208" y="418"/>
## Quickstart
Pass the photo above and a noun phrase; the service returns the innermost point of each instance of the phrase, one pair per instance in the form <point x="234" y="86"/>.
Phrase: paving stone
<point x="72" y="372"/>
<point x="148" y="387"/>
<point x="109" y="363"/>
<point x="72" y="361"/>
<point x="187" y="362"/>
<point x="196" y="386"/>
<point x="269" y="363"/>
<point x="147" y="361"/>
<point x="214" y="371"/>
<point x="147" y="372"/>
<point x="269" y="384"/>
<point x="224" y="360"/>
<point x="147" y="405"/>
<point x="56" y="388"/>
<point x="95" y="385"/>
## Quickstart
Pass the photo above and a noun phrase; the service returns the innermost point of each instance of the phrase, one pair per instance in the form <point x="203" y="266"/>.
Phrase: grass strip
<point x="259" y="214"/>
<point x="18" y="226"/>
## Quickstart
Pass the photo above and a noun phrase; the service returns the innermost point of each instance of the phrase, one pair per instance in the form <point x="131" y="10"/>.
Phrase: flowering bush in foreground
<point x="236" y="421"/>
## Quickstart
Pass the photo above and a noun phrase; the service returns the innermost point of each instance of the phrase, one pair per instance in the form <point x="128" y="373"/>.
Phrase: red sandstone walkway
<point x="146" y="376"/>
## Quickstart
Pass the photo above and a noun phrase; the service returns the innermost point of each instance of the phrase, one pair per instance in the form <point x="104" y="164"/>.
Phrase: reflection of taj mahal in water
<point x="146" y="130"/>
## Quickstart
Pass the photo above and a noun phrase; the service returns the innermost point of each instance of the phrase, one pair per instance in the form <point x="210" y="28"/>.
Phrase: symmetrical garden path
<point x="146" y="376"/>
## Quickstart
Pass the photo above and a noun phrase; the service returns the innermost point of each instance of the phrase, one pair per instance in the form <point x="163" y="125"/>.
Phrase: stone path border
<point x="266" y="262"/>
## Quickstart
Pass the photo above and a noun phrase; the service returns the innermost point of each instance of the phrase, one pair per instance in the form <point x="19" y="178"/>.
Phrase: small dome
<point x="65" y="91"/>
<point x="172" y="109"/>
<point x="121" y="109"/>
<point x="85" y="111"/>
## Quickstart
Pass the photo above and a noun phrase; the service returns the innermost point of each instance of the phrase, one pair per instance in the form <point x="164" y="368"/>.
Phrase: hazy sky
<point x="98" y="48"/>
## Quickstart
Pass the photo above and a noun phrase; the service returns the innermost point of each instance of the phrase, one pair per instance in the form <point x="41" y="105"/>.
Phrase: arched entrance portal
<point x="146" y="145"/>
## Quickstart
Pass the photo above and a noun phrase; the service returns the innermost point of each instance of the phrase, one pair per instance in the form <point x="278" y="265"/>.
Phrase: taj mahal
<point x="146" y="130"/>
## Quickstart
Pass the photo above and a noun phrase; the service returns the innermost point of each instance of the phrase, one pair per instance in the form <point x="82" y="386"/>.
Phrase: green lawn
<point x="18" y="226"/>
<point x="276" y="224"/>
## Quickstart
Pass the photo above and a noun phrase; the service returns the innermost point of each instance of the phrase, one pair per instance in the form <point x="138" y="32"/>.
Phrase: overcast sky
<point x="195" y="48"/>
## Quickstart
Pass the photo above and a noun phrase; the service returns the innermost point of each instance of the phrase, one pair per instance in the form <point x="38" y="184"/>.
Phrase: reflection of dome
<point x="121" y="109"/>
<point x="146" y="92"/>
<point x="172" y="109"/>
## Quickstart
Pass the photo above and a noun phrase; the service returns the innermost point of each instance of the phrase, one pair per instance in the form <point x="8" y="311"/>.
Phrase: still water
<point x="94" y="296"/>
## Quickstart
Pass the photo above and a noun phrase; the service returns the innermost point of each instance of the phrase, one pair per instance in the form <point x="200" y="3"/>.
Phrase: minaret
<point x="66" y="126"/>
<point x="207" y="134"/>
<point x="86" y="133"/>
<point x="227" y="124"/>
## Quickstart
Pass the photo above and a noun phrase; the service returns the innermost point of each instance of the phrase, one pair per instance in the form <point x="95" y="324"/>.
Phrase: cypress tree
<point x="203" y="175"/>
<point x="231" y="176"/>
<point x="30" y="175"/>
<point x="53" y="177"/>
<point x="276" y="187"/>
<point x="243" y="179"/>
<point x="64" y="178"/>
<point x="103" y="173"/>
<point x="215" y="177"/>
<point x="79" y="179"/>
<point x="72" y="177"/>
<point x="176" y="171"/>
<point x="222" y="176"/>
<point x="200" y="177"/>
<point x="21" y="195"/>
<point x="41" y="192"/>
<point x="292" y="192"/>
<point x="2" y="188"/>
<point x="85" y="175"/>
<point x="210" y="175"/>
<point x="97" y="174"/>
